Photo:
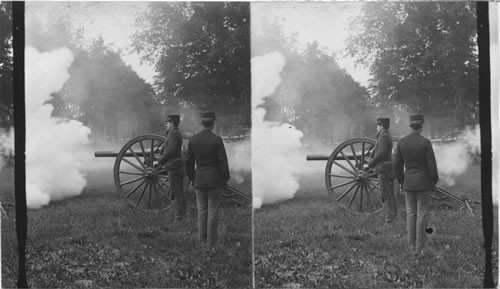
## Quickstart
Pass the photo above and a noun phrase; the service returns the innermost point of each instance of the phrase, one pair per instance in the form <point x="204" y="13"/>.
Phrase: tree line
<point x="422" y="57"/>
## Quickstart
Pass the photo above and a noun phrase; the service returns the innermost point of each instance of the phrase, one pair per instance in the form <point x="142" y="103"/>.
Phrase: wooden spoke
<point x="346" y="192"/>
<point x="132" y="164"/>
<point x="151" y="153"/>
<point x="146" y="193"/>
<point x="343" y="184"/>
<point x="362" y="155"/>
<point x="132" y="181"/>
<point x="354" y="156"/>
<point x="150" y="195"/>
<point x="372" y="193"/>
<point x="353" y="196"/>
<point x="361" y="198"/>
<point x="137" y="158"/>
<point x="134" y="189"/>
<point x="142" y="193"/>
<point x="351" y="182"/>
<point x="343" y="167"/>
<point x="143" y="151"/>
<point x="130" y="173"/>
<point x="341" y="176"/>
<point x="348" y="161"/>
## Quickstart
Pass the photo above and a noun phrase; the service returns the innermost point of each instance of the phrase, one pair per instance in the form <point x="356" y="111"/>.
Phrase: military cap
<point x="416" y="119"/>
<point x="207" y="116"/>
<point x="383" y="121"/>
<point x="173" y="118"/>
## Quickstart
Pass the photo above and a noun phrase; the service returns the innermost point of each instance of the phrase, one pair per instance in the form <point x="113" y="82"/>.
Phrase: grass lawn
<point x="311" y="242"/>
<point x="98" y="240"/>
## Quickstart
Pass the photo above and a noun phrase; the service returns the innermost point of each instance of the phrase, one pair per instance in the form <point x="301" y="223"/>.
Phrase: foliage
<point x="103" y="92"/>
<point x="109" y="96"/>
<point x="201" y="51"/>
<point x="315" y="94"/>
<point x="6" y="65"/>
<point x="423" y="57"/>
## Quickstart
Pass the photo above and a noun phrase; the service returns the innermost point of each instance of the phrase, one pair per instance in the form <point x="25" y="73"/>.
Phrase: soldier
<point x="173" y="162"/>
<point x="416" y="170"/>
<point x="206" y="150"/>
<point x="382" y="163"/>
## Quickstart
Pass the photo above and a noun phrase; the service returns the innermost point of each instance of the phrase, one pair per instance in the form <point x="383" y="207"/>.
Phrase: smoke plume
<point x="6" y="145"/>
<point x="54" y="146"/>
<point x="454" y="158"/>
<point x="238" y="154"/>
<point x="276" y="146"/>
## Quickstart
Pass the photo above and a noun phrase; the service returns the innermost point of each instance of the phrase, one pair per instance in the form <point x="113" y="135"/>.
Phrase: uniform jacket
<point x="415" y="164"/>
<point x="206" y="150"/>
<point x="172" y="157"/>
<point x="382" y="159"/>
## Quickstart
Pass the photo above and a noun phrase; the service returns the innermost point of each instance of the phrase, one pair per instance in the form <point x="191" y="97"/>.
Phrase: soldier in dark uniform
<point x="172" y="160"/>
<point x="416" y="169"/>
<point x="382" y="163"/>
<point x="207" y="167"/>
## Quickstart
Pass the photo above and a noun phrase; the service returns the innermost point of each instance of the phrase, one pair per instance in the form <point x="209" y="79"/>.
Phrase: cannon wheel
<point x="143" y="185"/>
<point x="351" y="186"/>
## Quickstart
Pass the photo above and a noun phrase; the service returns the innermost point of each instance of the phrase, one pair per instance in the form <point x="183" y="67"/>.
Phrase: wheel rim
<point x="352" y="187"/>
<point x="143" y="185"/>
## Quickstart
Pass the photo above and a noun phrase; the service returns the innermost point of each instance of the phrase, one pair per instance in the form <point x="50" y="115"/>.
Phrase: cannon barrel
<point x="114" y="154"/>
<point x="326" y="157"/>
<point x="105" y="154"/>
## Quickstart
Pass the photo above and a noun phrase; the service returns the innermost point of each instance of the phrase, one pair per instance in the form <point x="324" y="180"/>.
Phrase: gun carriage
<point x="146" y="185"/>
<point x="356" y="189"/>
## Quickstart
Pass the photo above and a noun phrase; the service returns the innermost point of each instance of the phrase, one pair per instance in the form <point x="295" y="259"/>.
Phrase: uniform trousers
<point x="417" y="207"/>
<point x="387" y="187"/>
<point x="208" y="202"/>
<point x="176" y="185"/>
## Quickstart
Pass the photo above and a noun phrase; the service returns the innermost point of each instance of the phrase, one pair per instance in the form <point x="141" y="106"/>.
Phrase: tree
<point x="6" y="66"/>
<point x="423" y="56"/>
<point x="201" y="51"/>
<point x="108" y="96"/>
<point x="315" y="95"/>
<point x="102" y="92"/>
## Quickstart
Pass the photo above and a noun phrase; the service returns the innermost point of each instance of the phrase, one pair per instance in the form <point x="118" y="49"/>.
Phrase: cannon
<point x="354" y="188"/>
<point x="145" y="185"/>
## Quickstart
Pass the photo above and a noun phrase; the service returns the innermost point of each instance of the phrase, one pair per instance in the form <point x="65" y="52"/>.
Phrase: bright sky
<point x="323" y="22"/>
<point x="114" y="21"/>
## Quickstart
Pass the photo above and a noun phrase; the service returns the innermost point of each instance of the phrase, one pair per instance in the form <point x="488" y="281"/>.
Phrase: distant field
<point x="98" y="240"/>
<point x="311" y="242"/>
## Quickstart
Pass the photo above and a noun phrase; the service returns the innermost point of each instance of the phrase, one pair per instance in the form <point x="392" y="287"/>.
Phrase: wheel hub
<point x="362" y="176"/>
<point x="150" y="173"/>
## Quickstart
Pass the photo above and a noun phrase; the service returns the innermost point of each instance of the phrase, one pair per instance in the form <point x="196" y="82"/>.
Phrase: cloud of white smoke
<point x="276" y="147"/>
<point x="6" y="145"/>
<point x="454" y="158"/>
<point x="238" y="154"/>
<point x="54" y="146"/>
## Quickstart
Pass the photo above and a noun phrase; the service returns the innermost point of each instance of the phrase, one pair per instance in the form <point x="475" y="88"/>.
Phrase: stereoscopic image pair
<point x="246" y="144"/>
